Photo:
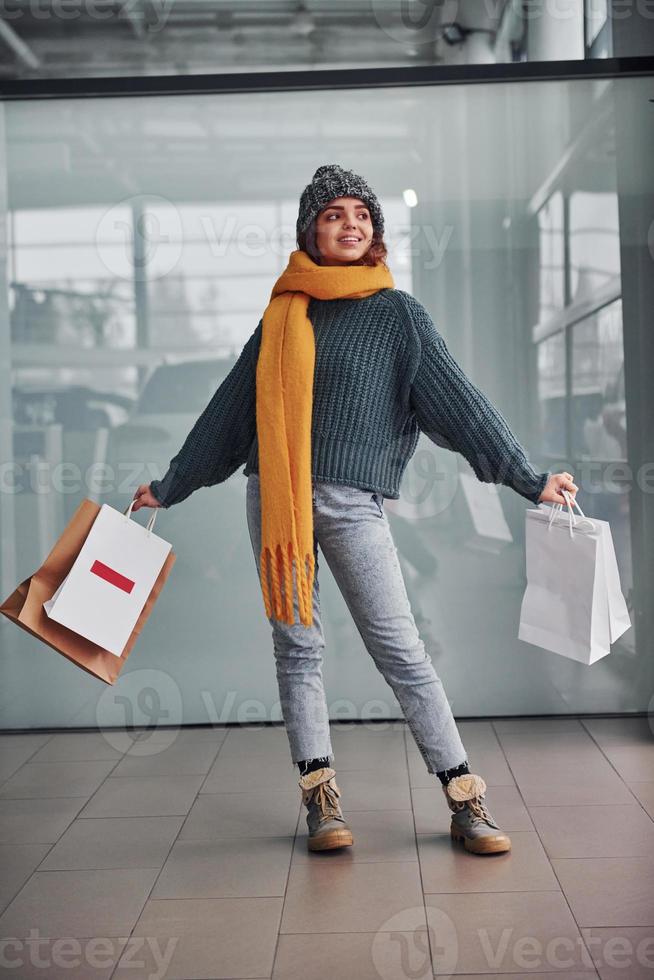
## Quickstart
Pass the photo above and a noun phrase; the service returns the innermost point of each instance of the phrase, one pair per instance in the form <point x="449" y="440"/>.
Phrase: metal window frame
<point x="321" y="79"/>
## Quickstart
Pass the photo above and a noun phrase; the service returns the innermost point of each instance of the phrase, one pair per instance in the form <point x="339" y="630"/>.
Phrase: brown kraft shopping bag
<point x="25" y="605"/>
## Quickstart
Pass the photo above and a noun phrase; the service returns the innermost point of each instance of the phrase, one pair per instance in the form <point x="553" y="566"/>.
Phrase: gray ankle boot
<point x="471" y="821"/>
<point x="325" y="820"/>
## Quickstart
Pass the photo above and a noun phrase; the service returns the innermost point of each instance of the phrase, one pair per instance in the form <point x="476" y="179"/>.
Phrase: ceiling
<point x="91" y="38"/>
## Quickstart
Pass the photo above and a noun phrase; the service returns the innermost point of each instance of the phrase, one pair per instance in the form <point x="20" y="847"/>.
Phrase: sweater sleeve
<point x="220" y="439"/>
<point x="457" y="415"/>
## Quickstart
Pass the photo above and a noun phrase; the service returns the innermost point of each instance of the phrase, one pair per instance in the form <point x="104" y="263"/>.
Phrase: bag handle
<point x="572" y="518"/>
<point x="128" y="513"/>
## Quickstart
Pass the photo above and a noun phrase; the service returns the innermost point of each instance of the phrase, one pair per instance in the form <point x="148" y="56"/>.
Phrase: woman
<point x="325" y="406"/>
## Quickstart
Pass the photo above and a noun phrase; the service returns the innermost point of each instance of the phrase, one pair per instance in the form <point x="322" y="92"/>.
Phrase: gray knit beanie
<point x="328" y="182"/>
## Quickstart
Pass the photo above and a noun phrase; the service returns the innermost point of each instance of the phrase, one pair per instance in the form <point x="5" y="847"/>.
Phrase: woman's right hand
<point x="144" y="497"/>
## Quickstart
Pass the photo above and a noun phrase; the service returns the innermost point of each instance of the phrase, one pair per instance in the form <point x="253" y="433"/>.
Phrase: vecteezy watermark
<point x="149" y="699"/>
<point x="142" y="237"/>
<point x="424" y="23"/>
<point x="100" y="953"/>
<point x="427" y="474"/>
<point x="143" y="713"/>
<point x="40" y="476"/>
<point x="418" y="940"/>
<point x="403" y="946"/>
<point x="151" y="22"/>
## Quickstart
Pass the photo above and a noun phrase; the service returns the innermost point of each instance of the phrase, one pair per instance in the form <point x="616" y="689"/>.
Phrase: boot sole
<point x="489" y="845"/>
<point x="329" y="840"/>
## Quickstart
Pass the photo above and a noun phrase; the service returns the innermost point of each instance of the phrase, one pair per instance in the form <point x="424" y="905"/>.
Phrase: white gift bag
<point x="102" y="596"/>
<point x="573" y="604"/>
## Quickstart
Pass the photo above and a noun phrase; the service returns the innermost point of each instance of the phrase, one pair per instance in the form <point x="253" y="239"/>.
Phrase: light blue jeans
<point x="354" y="534"/>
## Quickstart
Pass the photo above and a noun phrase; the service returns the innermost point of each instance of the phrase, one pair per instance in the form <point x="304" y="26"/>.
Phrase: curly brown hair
<point x="376" y="254"/>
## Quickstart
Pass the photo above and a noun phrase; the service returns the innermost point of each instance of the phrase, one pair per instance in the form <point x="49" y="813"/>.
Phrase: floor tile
<point x="78" y="903"/>
<point x="146" y="796"/>
<point x="562" y="768"/>
<point x="17" y="749"/>
<point x="228" y="867"/>
<point x="17" y="862"/>
<point x="233" y="772"/>
<point x="250" y="742"/>
<point x="114" y="842"/>
<point x="259" y="813"/>
<point x="513" y="932"/>
<point x="37" y="780"/>
<point x="550" y="975"/>
<point x="196" y="939"/>
<point x="644" y="793"/>
<point x="65" y="958"/>
<point x="634" y="763"/>
<point x="510" y="726"/>
<point x="619" y="731"/>
<point x="177" y="745"/>
<point x="37" y="821"/>
<point x="583" y="789"/>
<point x="594" y="831"/>
<point x="184" y="759"/>
<point x="447" y="867"/>
<point x="622" y="953"/>
<point x="80" y="746"/>
<point x="362" y="896"/>
<point x="181" y="735"/>
<point x="360" y="955"/>
<point x="608" y="891"/>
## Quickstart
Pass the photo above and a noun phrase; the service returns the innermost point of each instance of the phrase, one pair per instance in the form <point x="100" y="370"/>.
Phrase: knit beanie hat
<point x="328" y="182"/>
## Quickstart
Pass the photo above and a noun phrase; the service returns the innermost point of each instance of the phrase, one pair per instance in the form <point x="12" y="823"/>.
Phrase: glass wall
<point x="142" y="238"/>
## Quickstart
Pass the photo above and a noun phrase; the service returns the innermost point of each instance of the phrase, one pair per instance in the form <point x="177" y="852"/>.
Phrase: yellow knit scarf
<point x="284" y="402"/>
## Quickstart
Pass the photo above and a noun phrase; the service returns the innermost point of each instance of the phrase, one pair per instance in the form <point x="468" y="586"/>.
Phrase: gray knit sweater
<point x="383" y="374"/>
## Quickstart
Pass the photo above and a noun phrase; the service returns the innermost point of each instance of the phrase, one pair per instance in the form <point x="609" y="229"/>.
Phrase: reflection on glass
<point x="599" y="428"/>
<point x="552" y="396"/>
<point x="597" y="12"/>
<point x="594" y="242"/>
<point x="599" y="431"/>
<point x="551" y="246"/>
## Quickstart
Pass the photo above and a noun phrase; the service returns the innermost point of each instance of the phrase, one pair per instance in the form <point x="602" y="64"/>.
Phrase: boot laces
<point x="327" y="799"/>
<point x="478" y="808"/>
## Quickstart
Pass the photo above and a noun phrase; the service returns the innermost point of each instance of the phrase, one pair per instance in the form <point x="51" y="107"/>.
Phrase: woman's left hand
<point x="556" y="483"/>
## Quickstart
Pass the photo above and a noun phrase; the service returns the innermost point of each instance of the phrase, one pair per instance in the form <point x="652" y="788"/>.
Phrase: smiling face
<point x="343" y="231"/>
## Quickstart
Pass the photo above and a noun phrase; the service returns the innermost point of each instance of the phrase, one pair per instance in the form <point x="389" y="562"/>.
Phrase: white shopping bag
<point x="573" y="604"/>
<point x="107" y="587"/>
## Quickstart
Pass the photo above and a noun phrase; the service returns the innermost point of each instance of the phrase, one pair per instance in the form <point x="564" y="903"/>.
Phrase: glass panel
<point x="141" y="252"/>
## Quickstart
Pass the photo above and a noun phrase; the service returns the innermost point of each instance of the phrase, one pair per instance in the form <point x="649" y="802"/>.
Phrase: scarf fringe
<point x="278" y="601"/>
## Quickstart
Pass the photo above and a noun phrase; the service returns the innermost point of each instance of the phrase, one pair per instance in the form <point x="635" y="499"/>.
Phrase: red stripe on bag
<point x="110" y="575"/>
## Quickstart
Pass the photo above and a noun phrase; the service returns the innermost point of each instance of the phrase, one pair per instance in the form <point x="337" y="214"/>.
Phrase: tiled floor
<point x="183" y="855"/>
